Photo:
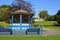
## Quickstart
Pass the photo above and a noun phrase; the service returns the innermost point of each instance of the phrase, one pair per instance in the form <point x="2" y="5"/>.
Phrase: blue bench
<point x="5" y="30"/>
<point x="33" y="30"/>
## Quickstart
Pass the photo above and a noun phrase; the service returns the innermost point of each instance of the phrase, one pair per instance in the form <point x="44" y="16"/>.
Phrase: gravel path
<point x="50" y="32"/>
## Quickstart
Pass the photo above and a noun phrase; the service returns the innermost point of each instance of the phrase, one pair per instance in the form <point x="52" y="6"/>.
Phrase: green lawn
<point x="45" y="22"/>
<point x="50" y="37"/>
<point x="53" y="27"/>
<point x="48" y="24"/>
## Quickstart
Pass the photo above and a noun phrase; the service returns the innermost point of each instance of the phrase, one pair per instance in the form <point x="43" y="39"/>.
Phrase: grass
<point x="4" y="24"/>
<point x="53" y="27"/>
<point x="48" y="24"/>
<point x="50" y="37"/>
<point x="45" y="22"/>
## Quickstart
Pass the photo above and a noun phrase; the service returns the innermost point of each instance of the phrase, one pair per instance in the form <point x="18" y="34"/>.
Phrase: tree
<point x="43" y="14"/>
<point x="57" y="17"/>
<point x="51" y="18"/>
<point x="22" y="4"/>
<point x="4" y="10"/>
<point x="4" y="6"/>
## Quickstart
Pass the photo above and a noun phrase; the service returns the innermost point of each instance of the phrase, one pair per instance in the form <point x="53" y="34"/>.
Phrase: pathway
<point x="50" y="32"/>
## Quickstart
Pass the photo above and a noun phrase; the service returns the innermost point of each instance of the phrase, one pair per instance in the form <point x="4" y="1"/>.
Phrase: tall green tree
<point x="4" y="6"/>
<point x="51" y="18"/>
<point x="43" y="14"/>
<point x="57" y="17"/>
<point x="4" y="10"/>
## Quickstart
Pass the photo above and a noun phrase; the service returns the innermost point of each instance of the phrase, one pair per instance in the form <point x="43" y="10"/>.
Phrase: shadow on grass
<point x="58" y="25"/>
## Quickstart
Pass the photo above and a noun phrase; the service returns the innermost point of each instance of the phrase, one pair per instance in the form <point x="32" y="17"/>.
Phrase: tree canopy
<point x="43" y="14"/>
<point x="3" y="9"/>
<point x="22" y="4"/>
<point x="4" y="6"/>
<point x="57" y="17"/>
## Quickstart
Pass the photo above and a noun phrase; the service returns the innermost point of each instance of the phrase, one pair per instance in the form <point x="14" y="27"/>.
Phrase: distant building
<point x="38" y="19"/>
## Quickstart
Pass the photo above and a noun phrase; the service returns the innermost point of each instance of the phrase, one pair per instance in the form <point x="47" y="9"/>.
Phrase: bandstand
<point x="20" y="20"/>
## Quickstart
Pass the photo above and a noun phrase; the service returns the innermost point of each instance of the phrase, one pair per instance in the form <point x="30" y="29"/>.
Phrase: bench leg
<point x="38" y="32"/>
<point x="26" y="32"/>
